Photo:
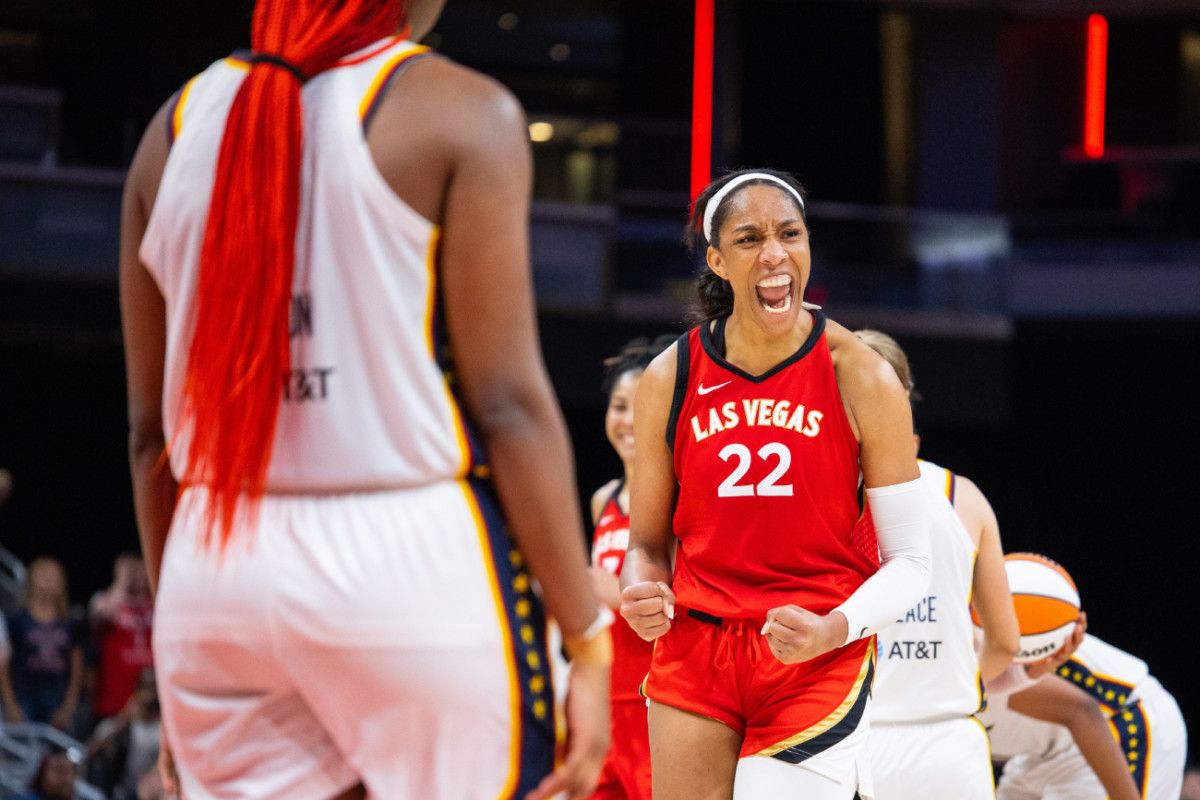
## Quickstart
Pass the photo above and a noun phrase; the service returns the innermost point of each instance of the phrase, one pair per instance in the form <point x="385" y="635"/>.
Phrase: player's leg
<point x="692" y="757"/>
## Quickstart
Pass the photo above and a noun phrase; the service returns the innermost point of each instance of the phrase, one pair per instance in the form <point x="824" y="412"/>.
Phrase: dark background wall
<point x="1083" y="432"/>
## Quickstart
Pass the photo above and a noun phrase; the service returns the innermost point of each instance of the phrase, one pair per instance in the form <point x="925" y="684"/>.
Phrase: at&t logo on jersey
<point x="923" y="613"/>
<point x="763" y="412"/>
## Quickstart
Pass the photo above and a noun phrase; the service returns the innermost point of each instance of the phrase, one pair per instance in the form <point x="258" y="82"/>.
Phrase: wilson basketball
<point x="1046" y="601"/>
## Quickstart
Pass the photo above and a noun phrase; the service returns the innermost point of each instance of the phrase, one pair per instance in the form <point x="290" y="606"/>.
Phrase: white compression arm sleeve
<point x="901" y="518"/>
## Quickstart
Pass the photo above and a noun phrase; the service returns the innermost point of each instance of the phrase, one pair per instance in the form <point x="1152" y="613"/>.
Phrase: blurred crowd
<point x="86" y="671"/>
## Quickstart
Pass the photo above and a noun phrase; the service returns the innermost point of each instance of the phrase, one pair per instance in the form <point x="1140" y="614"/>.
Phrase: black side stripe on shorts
<point x="844" y="727"/>
<point x="683" y="359"/>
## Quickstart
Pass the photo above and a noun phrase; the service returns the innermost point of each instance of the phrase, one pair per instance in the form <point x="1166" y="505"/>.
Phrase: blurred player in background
<point x="1099" y="693"/>
<point x="925" y="742"/>
<point x="330" y="331"/>
<point x="627" y="769"/>
<point x="750" y="435"/>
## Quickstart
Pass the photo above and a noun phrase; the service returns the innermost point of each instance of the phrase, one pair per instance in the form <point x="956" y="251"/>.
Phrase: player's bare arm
<point x="491" y="322"/>
<point x="144" y="319"/>
<point x="990" y="594"/>
<point x="600" y="497"/>
<point x="878" y="409"/>
<point x="1053" y="699"/>
<point x="490" y="317"/>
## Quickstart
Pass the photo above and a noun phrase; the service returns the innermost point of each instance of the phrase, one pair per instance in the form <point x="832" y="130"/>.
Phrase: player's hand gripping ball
<point x="1047" y="605"/>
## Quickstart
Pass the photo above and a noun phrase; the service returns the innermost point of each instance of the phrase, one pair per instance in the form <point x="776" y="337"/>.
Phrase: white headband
<point x="713" y="202"/>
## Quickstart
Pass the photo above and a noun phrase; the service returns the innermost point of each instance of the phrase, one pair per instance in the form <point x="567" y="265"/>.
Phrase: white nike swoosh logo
<point x="702" y="389"/>
<point x="605" y="519"/>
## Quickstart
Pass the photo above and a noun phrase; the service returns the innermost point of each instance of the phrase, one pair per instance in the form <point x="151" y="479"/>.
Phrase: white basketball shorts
<point x="837" y="773"/>
<point x="388" y="637"/>
<point x="945" y="760"/>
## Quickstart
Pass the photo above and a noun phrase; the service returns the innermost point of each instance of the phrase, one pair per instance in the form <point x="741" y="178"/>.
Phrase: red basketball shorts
<point x="626" y="773"/>
<point x="725" y="670"/>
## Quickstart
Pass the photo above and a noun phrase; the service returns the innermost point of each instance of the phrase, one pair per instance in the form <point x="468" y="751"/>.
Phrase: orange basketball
<point x="1046" y="601"/>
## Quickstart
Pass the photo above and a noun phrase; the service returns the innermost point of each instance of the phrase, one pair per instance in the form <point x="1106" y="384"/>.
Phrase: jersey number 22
<point x="767" y="487"/>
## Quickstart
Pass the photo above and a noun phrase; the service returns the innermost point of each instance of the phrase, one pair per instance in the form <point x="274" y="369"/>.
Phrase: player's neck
<point x="750" y="348"/>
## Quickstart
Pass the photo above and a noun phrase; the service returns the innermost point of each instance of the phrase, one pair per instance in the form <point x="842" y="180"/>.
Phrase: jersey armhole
<point x="175" y="111"/>
<point x="383" y="81"/>
<point x="683" y="359"/>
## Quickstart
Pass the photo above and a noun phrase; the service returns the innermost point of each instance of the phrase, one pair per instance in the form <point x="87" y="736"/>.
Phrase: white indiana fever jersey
<point x="365" y="404"/>
<point x="927" y="666"/>
<point x="1111" y="676"/>
<point x="1042" y="759"/>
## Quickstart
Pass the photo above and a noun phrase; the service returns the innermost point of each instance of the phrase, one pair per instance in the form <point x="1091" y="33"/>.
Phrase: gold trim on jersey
<point x="834" y="717"/>
<point x="177" y="113"/>
<point x="381" y="77"/>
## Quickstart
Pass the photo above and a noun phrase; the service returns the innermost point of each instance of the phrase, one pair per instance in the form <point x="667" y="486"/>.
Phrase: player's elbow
<point x="1006" y="643"/>
<point x="1001" y="639"/>
<point x="913" y="557"/>
<point x="511" y="408"/>
<point x="146" y="440"/>
<point x="1080" y="714"/>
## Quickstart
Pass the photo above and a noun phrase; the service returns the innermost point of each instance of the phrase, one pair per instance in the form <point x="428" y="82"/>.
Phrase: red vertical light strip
<point x="1097" y="68"/>
<point x="702" y="96"/>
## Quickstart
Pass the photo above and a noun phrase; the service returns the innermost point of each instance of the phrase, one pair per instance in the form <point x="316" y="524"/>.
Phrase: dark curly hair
<point x="635" y="356"/>
<point x="714" y="297"/>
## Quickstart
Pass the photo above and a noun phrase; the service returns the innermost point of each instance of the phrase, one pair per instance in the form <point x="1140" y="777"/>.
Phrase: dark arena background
<point x="1026" y="225"/>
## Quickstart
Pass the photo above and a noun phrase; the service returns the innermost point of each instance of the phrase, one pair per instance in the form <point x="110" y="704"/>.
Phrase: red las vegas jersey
<point x="631" y="654"/>
<point x="768" y="482"/>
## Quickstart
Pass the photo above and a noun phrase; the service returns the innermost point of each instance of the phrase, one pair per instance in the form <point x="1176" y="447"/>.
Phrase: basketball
<point x="1046" y="601"/>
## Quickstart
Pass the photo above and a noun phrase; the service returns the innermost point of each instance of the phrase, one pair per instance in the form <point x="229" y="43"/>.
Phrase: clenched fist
<point x="648" y="607"/>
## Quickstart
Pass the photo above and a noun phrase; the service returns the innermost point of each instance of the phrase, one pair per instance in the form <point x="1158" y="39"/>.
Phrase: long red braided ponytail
<point x="239" y="355"/>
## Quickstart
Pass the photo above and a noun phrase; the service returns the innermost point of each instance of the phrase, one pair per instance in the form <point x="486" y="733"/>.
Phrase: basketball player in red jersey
<point x="626" y="774"/>
<point x="763" y="656"/>
<point x="308" y="230"/>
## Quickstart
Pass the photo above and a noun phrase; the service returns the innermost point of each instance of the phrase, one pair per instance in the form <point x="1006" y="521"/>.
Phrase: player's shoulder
<point x="972" y="505"/>
<point x="660" y="373"/>
<point x="463" y="96"/>
<point x="967" y="489"/>
<point x="860" y="370"/>
<point x="150" y="160"/>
